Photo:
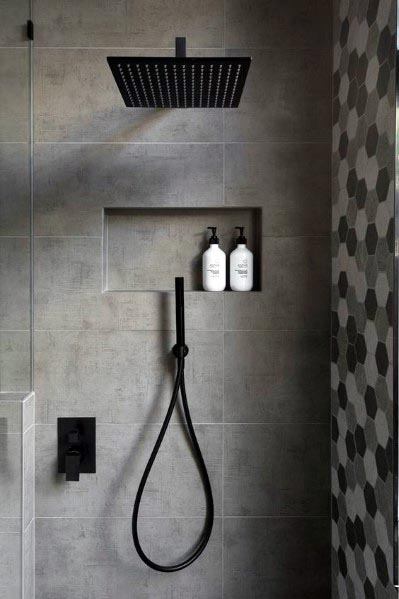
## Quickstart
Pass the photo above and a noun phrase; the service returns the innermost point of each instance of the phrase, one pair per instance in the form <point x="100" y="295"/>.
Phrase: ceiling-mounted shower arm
<point x="180" y="47"/>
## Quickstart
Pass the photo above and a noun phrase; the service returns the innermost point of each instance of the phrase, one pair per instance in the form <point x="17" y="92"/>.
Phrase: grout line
<point x="199" y="517"/>
<point x="152" y="49"/>
<point x="179" y="143"/>
<point x="220" y="424"/>
<point x="113" y="330"/>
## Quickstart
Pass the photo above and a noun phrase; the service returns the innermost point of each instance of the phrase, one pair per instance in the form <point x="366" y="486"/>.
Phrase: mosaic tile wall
<point x="362" y="307"/>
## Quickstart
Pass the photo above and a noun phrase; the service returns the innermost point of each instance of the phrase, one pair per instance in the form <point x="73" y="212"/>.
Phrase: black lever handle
<point x="72" y="464"/>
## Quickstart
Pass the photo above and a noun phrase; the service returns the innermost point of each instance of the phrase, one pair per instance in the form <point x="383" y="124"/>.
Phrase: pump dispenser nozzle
<point x="214" y="238"/>
<point x="241" y="239"/>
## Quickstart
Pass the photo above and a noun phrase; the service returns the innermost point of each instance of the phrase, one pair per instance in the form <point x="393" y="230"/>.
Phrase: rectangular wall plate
<point x="87" y="435"/>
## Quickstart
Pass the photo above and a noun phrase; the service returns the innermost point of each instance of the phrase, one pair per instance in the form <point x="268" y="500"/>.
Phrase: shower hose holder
<point x="180" y="351"/>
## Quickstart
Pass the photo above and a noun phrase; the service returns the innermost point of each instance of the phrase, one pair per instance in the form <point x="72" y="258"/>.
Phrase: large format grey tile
<point x="295" y="288"/>
<point x="276" y="376"/>
<point x="28" y="474"/>
<point x="276" y="24"/>
<point x="10" y="566"/>
<point x="93" y="558"/>
<point x="68" y="294"/>
<point x="14" y="361"/>
<point x="286" y="98"/>
<point x="77" y="99"/>
<point x="132" y="23"/>
<point x="124" y="376"/>
<point x="14" y="94"/>
<point x="276" y="558"/>
<point x="174" y="488"/>
<point x="14" y="283"/>
<point x="276" y="469"/>
<point x="10" y="476"/>
<point x="14" y="189"/>
<point x="13" y="17"/>
<point x="75" y="182"/>
<point x="291" y="182"/>
<point x="10" y="413"/>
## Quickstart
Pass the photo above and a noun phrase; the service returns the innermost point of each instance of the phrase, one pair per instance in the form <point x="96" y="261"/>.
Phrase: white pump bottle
<point x="241" y="265"/>
<point x="214" y="265"/>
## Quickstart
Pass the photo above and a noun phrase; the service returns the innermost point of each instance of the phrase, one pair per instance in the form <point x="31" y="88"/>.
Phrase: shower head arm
<point x="180" y="47"/>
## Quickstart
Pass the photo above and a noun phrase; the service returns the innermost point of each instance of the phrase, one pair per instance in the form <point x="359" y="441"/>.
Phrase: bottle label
<point x="213" y="270"/>
<point x="242" y="269"/>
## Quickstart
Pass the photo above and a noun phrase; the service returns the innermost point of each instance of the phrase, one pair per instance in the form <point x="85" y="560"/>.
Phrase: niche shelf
<point x="146" y="248"/>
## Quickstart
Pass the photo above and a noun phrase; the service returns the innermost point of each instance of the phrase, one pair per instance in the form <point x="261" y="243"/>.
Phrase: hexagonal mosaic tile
<point x="362" y="277"/>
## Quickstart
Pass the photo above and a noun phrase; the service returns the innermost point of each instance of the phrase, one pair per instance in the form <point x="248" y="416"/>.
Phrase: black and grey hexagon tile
<point x="362" y="287"/>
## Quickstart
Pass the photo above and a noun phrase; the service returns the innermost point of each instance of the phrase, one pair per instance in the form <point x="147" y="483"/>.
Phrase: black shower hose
<point x="180" y="350"/>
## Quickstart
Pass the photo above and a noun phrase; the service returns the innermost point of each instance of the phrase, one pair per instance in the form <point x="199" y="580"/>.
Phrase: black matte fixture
<point x="180" y="82"/>
<point x="180" y="351"/>
<point x="76" y="447"/>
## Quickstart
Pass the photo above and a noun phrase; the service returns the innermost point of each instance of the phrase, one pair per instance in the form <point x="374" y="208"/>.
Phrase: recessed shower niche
<point x="145" y="248"/>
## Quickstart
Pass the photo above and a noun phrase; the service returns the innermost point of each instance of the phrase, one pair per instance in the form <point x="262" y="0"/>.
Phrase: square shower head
<point x="180" y="82"/>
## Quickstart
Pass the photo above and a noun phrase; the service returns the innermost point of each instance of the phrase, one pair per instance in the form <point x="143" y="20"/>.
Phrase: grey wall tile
<point x="124" y="376"/>
<point x="276" y="558"/>
<point x="14" y="97"/>
<point x="13" y="17"/>
<point x="289" y="180"/>
<point x="295" y="288"/>
<point x="100" y="554"/>
<point x="174" y="488"/>
<point x="28" y="474"/>
<point x="293" y="24"/>
<point x="144" y="251"/>
<point x="75" y="182"/>
<point x="285" y="98"/>
<point x="10" y="525"/>
<point x="15" y="361"/>
<point x="131" y="23"/>
<point x="276" y="376"/>
<point x="28" y="574"/>
<point x="14" y="283"/>
<point x="10" y="476"/>
<point x="276" y="469"/>
<point x="10" y="413"/>
<point x="10" y="566"/>
<point x="14" y="189"/>
<point x="97" y="112"/>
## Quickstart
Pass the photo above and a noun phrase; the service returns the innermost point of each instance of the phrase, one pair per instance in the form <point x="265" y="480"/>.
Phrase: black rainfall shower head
<point x="180" y="82"/>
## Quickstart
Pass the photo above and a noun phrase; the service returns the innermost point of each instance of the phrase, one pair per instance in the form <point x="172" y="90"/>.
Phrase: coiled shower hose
<point x="180" y="351"/>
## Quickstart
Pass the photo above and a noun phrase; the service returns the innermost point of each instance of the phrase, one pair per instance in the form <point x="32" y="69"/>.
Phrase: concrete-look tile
<point x="146" y="249"/>
<point x="295" y="198"/>
<point x="10" y="566"/>
<point x="10" y="413"/>
<point x="276" y="558"/>
<point x="14" y="94"/>
<point x="124" y="376"/>
<point x="285" y="97"/>
<point x="276" y="469"/>
<point x="13" y="17"/>
<point x="14" y="361"/>
<point x="14" y="283"/>
<point x="174" y="488"/>
<point x="10" y="525"/>
<point x="28" y="473"/>
<point x="28" y="573"/>
<point x="77" y="99"/>
<point x="295" y="288"/>
<point x="273" y="24"/>
<point x="14" y="189"/>
<point x="132" y="23"/>
<point x="156" y="311"/>
<point x="277" y="376"/>
<point x="75" y="182"/>
<point x="10" y="476"/>
<point x="100" y="556"/>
